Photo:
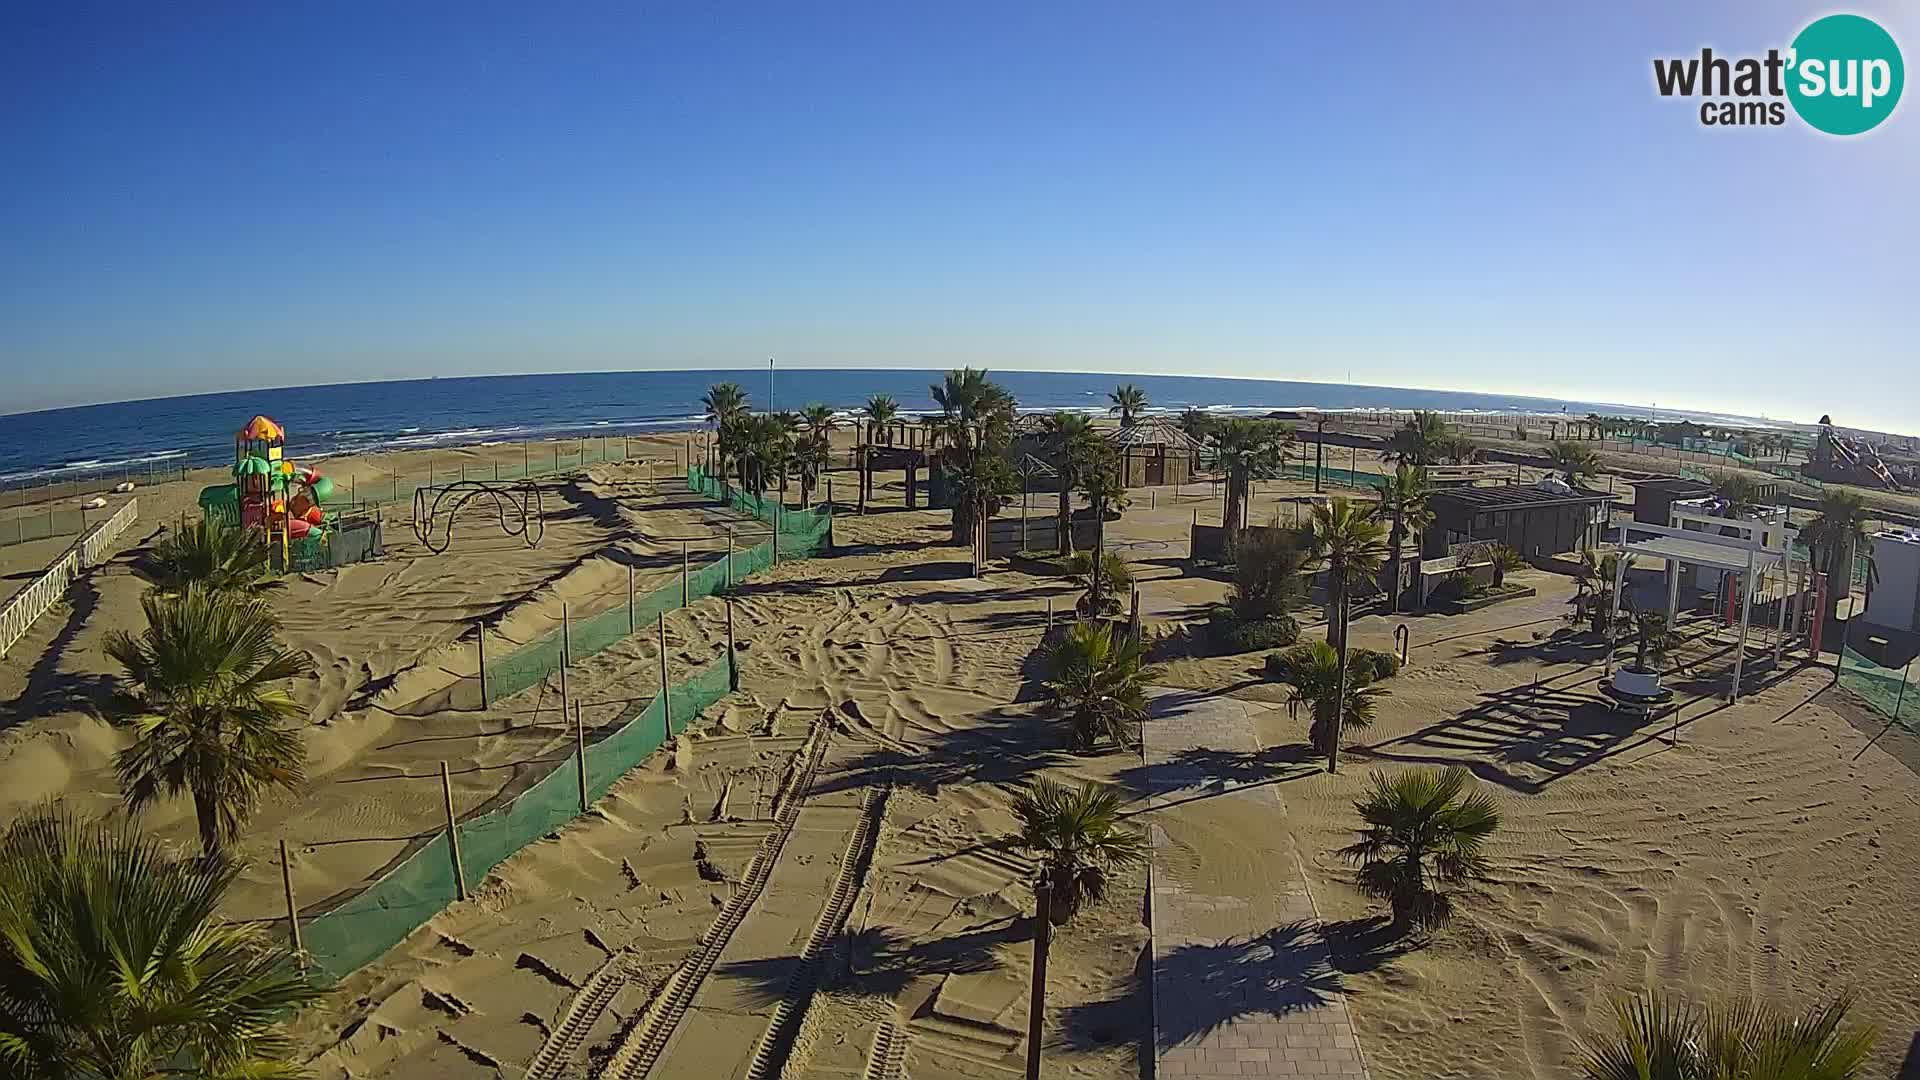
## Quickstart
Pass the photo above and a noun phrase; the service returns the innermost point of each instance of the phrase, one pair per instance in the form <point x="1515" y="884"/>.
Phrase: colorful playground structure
<point x="281" y="501"/>
<point x="1837" y="459"/>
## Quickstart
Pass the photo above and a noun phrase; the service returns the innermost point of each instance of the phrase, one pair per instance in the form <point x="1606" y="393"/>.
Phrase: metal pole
<point x="729" y="559"/>
<point x="733" y="662"/>
<point x="1746" y="617"/>
<point x="666" y="700"/>
<point x="293" y="913"/>
<point x="580" y="753"/>
<point x="480" y="629"/>
<point x="453" y="833"/>
<point x="1049" y="613"/>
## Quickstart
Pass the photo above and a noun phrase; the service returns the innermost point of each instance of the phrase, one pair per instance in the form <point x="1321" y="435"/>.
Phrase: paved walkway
<point x="1232" y="998"/>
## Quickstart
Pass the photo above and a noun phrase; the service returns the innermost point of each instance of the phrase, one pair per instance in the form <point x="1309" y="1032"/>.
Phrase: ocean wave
<point x="92" y="465"/>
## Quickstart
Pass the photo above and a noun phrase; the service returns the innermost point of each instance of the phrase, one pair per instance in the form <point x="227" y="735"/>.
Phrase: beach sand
<point x="887" y="714"/>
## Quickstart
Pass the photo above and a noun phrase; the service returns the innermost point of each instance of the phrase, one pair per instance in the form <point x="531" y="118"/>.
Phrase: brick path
<point x="1263" y="1000"/>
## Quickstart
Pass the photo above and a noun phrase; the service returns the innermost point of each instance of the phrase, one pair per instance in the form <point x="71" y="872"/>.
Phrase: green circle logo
<point x="1844" y="74"/>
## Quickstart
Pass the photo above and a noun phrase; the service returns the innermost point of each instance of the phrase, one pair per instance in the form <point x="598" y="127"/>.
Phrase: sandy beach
<point x="887" y="713"/>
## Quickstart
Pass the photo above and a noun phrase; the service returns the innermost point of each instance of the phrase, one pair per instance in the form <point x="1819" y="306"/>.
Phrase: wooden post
<point x="566" y="647"/>
<point x="630" y="626"/>
<point x="453" y="833"/>
<point x="1037" y="997"/>
<point x="729" y="558"/>
<point x="1049" y="614"/>
<point x="666" y="701"/>
<point x="580" y="753"/>
<point x="480" y="628"/>
<point x="685" y="596"/>
<point x="733" y="661"/>
<point x="293" y="912"/>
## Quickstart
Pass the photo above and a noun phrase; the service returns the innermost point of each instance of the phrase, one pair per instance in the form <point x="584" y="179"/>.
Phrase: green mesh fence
<point x="45" y="525"/>
<point x="381" y="916"/>
<point x="1889" y="690"/>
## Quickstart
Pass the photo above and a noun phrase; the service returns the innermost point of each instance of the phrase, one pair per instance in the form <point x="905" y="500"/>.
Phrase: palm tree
<point x="1593" y="597"/>
<point x="880" y="412"/>
<point x="1573" y="459"/>
<point x="204" y="709"/>
<point x="1403" y="500"/>
<point x="1418" y="441"/>
<point x="114" y="965"/>
<point x="1740" y="490"/>
<point x="1129" y="401"/>
<point x="1836" y="533"/>
<point x="725" y="403"/>
<point x="808" y="459"/>
<point x="1312" y="670"/>
<point x="1199" y="424"/>
<point x="219" y="556"/>
<point x="1095" y="681"/>
<point x="1457" y="450"/>
<point x="1423" y="830"/>
<point x="1077" y="843"/>
<point x="1248" y="450"/>
<point x="976" y="418"/>
<point x="1656" y="1037"/>
<point x="1100" y="485"/>
<point x="1075" y="446"/>
<point x="1348" y="542"/>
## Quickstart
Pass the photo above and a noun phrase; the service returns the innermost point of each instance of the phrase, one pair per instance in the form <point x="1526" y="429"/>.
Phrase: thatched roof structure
<point x="1148" y="431"/>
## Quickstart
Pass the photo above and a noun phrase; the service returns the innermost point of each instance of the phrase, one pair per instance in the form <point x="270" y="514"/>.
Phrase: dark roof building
<point x="1533" y="520"/>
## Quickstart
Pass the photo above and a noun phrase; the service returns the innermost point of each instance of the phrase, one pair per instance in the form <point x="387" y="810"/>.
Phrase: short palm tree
<point x="205" y="710"/>
<point x="1247" y="450"/>
<point x="1349" y="543"/>
<point x="1311" y="670"/>
<point x="724" y="403"/>
<point x="1101" y="486"/>
<point x="1418" y="441"/>
<point x="1739" y="490"/>
<point x="1403" y="501"/>
<point x="1094" y="677"/>
<point x="1423" y="830"/>
<point x="881" y="411"/>
<point x="219" y="556"/>
<point x="1656" y="1037"/>
<point x="1199" y="424"/>
<point x="1836" y="533"/>
<point x="1574" y="460"/>
<point x="114" y="965"/>
<point x="1076" y="838"/>
<point x="1129" y="401"/>
<point x="1593" y="597"/>
<point x="1077" y="842"/>
<point x="1073" y="446"/>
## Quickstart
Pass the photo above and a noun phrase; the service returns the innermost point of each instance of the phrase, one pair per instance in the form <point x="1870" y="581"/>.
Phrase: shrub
<point x="1453" y="588"/>
<point x="1230" y="633"/>
<point x="1505" y="559"/>
<point x="1383" y="665"/>
<point x="1115" y="575"/>
<point x="1267" y="572"/>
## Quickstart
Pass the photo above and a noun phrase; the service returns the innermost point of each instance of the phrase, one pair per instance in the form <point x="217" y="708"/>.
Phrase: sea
<point x="351" y="418"/>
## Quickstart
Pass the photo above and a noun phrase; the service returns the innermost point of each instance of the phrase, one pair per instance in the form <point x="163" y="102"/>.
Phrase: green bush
<point x="1115" y="575"/>
<point x="1384" y="665"/>
<point x="1229" y="633"/>
<point x="1453" y="588"/>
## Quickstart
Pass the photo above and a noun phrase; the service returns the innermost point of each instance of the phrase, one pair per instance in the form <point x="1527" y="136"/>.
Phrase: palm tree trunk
<point x="1340" y="683"/>
<point x="1394" y="540"/>
<point x="1099" y="553"/>
<point x="206" y="811"/>
<point x="1065" y="518"/>
<point x="1037" y="994"/>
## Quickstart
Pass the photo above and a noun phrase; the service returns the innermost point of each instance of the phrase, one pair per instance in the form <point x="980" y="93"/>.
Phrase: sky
<point x="1486" y="196"/>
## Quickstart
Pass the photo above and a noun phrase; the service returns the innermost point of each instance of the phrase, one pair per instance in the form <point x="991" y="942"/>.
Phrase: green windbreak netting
<point x="44" y="526"/>
<point x="382" y="915"/>
<point x="1889" y="690"/>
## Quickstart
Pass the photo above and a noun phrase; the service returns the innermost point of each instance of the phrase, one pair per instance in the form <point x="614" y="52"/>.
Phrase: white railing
<point x="46" y="590"/>
<point x="97" y="543"/>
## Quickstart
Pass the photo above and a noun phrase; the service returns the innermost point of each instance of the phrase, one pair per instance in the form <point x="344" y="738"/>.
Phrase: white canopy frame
<point x="1746" y="557"/>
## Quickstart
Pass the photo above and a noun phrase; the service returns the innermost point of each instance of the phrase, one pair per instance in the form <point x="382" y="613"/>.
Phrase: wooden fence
<point x="46" y="590"/>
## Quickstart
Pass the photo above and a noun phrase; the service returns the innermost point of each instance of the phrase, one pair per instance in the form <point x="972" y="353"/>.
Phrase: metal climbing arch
<point x="519" y="506"/>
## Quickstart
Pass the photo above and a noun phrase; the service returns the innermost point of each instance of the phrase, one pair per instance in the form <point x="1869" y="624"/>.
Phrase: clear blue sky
<point x="289" y="194"/>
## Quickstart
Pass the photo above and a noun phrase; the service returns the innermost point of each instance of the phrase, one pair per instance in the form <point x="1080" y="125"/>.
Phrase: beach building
<point x="1154" y="451"/>
<point x="1895" y="602"/>
<point x="1547" y="518"/>
<point x="1653" y="499"/>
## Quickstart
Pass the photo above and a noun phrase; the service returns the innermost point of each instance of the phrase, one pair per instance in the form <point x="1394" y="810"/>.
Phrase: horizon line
<point x="807" y="366"/>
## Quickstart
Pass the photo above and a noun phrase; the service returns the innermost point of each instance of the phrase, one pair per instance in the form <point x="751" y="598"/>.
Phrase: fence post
<point x="1049" y="614"/>
<point x="733" y="663"/>
<point x="666" y="701"/>
<point x="566" y="637"/>
<point x="564" y="648"/>
<point x="580" y="753"/>
<point x="685" y="595"/>
<point x="729" y="559"/>
<point x="293" y="912"/>
<point x="429" y="470"/>
<point x="481" y="626"/>
<point x="630" y="626"/>
<point x="453" y="833"/>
